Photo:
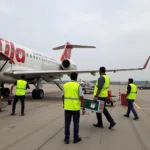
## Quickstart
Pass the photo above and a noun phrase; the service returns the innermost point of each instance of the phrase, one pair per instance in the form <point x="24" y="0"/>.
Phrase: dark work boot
<point x="98" y="125"/>
<point x="12" y="114"/>
<point x="77" y="140"/>
<point x="126" y="116"/>
<point x="22" y="114"/>
<point x="112" y="125"/>
<point x="136" y="118"/>
<point x="66" y="141"/>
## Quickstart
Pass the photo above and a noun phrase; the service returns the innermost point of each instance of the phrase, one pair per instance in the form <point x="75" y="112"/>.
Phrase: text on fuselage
<point x="11" y="51"/>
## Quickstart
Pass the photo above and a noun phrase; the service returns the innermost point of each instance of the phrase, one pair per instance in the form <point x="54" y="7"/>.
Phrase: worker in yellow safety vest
<point x="21" y="86"/>
<point x="130" y="97"/>
<point x="101" y="94"/>
<point x="72" y="102"/>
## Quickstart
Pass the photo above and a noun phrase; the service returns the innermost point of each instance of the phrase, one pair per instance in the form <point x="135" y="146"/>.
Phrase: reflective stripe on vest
<point x="104" y="90"/>
<point x="133" y="92"/>
<point x="71" y="96"/>
<point x="21" y="87"/>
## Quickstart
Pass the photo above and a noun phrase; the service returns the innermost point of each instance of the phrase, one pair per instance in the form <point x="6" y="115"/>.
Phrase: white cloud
<point x="5" y="7"/>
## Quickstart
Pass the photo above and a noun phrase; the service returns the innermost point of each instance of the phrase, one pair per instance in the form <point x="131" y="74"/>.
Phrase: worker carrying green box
<point x="101" y="94"/>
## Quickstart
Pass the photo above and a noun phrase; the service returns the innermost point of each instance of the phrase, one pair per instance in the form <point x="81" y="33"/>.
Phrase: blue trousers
<point x="76" y="118"/>
<point x="16" y="98"/>
<point x="131" y="108"/>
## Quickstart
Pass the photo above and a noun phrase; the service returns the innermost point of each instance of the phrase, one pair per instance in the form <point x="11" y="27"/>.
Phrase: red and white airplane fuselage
<point x="17" y="60"/>
<point x="23" y="58"/>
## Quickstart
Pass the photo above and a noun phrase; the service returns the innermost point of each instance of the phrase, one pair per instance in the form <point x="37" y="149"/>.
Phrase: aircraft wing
<point x="53" y="73"/>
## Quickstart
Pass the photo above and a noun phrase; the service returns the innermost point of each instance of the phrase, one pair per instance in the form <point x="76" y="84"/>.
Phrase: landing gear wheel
<point x="40" y="93"/>
<point x="5" y="91"/>
<point x="34" y="94"/>
<point x="112" y="103"/>
<point x="37" y="94"/>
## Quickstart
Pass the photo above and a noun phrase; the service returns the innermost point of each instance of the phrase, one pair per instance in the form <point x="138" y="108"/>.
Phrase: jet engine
<point x="67" y="64"/>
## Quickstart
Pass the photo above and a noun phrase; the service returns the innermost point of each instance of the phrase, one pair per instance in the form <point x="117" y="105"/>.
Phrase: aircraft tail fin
<point x="67" y="49"/>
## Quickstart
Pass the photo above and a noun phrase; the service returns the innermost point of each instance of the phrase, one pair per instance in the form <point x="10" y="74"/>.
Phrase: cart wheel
<point x="112" y="104"/>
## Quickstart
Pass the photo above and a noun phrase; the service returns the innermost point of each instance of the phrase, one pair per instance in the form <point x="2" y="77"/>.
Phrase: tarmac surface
<point x="42" y="128"/>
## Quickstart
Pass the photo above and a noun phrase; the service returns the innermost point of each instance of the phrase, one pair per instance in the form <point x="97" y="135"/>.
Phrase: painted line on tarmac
<point x="139" y="106"/>
<point x="145" y="108"/>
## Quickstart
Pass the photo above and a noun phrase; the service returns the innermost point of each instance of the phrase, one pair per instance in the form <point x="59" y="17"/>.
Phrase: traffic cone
<point x="119" y="95"/>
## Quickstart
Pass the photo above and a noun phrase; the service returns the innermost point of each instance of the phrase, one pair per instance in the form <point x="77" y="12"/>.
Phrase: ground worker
<point x="101" y="94"/>
<point x="130" y="97"/>
<point x="72" y="101"/>
<point x="21" y="86"/>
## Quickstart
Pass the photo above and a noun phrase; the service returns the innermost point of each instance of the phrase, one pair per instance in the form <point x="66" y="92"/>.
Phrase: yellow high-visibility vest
<point x="21" y="87"/>
<point x="104" y="90"/>
<point x="71" y="96"/>
<point x="133" y="92"/>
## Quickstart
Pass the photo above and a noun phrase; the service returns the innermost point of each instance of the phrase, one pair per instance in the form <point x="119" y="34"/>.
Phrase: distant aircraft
<point x="17" y="60"/>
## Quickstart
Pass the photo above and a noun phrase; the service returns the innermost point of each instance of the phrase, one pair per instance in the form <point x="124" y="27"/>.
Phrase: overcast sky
<point x="120" y="30"/>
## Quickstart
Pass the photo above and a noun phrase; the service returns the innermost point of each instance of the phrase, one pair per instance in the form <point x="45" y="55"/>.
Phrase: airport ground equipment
<point x="87" y="87"/>
<point x="143" y="87"/>
<point x="109" y="98"/>
<point x="3" y="104"/>
<point x="123" y="99"/>
<point x="87" y="90"/>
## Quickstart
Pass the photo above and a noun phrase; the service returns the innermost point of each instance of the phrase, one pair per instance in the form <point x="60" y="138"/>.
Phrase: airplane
<point x="17" y="60"/>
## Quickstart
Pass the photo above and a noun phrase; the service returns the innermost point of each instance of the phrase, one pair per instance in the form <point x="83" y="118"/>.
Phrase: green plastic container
<point x="92" y="105"/>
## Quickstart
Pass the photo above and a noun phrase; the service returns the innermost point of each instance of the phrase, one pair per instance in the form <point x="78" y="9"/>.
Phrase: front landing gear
<point x="38" y="93"/>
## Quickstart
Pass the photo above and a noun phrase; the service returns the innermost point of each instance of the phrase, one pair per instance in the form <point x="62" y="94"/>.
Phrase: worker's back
<point x="21" y="87"/>
<point x="71" y="96"/>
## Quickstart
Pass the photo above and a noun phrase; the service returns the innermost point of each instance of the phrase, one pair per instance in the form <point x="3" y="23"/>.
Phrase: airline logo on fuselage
<point x="15" y="53"/>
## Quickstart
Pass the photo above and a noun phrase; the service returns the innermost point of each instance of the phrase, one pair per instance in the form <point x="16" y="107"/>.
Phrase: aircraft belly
<point x="7" y="79"/>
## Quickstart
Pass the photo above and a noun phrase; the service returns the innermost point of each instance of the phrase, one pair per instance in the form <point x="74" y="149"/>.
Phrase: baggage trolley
<point x="109" y="98"/>
<point x="2" y="103"/>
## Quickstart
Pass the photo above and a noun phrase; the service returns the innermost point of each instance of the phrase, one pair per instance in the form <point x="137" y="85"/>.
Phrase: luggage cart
<point x="2" y="103"/>
<point x="109" y="98"/>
